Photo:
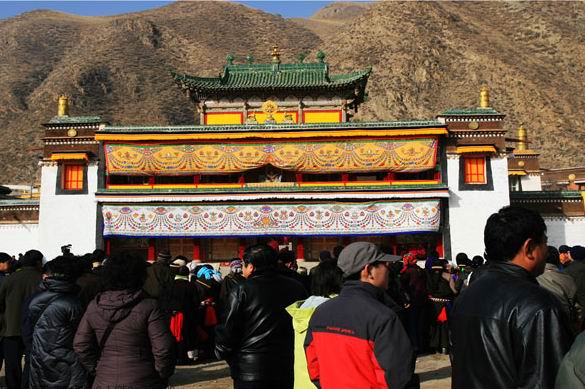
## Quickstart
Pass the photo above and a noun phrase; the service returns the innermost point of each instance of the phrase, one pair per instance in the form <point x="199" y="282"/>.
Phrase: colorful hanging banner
<point x="401" y="155"/>
<point x="271" y="219"/>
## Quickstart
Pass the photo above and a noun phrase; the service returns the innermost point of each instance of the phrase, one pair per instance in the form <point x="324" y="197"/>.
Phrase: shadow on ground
<point x="189" y="375"/>
<point x="438" y="374"/>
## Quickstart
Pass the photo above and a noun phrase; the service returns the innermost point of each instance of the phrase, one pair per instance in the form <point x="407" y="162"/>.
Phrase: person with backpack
<point x="49" y="327"/>
<point x="124" y="339"/>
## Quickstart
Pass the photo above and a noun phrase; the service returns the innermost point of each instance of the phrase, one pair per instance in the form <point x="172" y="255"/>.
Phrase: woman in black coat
<point x="49" y="328"/>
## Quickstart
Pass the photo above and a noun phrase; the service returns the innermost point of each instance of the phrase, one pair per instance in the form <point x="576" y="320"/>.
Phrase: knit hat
<point x="578" y="253"/>
<point x="357" y="255"/>
<point x="236" y="266"/>
<point x="164" y="255"/>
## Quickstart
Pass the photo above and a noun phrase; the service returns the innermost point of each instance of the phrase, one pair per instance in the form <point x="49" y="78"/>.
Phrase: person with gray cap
<point x="357" y="333"/>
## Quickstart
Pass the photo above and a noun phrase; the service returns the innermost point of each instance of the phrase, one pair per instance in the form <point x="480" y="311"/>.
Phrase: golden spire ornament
<point x="63" y="107"/>
<point x="484" y="96"/>
<point x="522" y="138"/>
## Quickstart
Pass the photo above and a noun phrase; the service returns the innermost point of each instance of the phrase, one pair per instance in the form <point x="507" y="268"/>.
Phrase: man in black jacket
<point x="256" y="336"/>
<point x="507" y="331"/>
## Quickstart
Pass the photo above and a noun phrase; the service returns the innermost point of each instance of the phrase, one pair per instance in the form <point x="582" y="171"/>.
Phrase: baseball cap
<point x="357" y="255"/>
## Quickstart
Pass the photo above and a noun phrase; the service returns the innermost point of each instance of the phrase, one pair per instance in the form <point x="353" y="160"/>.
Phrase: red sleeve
<point x="312" y="359"/>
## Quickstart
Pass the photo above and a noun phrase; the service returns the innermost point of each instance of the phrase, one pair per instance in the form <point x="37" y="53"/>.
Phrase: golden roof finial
<point x="275" y="54"/>
<point x="484" y="96"/>
<point x="63" y="107"/>
<point x="522" y="138"/>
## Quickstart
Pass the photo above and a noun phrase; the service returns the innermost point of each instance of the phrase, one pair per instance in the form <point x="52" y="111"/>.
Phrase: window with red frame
<point x="475" y="170"/>
<point x="73" y="177"/>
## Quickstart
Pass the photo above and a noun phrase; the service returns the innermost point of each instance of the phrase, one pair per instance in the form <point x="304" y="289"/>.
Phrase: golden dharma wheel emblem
<point x="72" y="132"/>
<point x="473" y="125"/>
<point x="269" y="107"/>
<point x="521" y="164"/>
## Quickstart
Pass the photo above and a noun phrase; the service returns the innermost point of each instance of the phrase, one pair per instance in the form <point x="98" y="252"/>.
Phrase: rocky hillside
<point x="426" y="57"/>
<point x="117" y="67"/>
<point x="430" y="56"/>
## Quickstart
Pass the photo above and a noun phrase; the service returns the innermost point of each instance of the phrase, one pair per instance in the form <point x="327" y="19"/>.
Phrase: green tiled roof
<point x="402" y="124"/>
<point x="18" y="202"/>
<point x="270" y="76"/>
<point x="471" y="111"/>
<point x="546" y="195"/>
<point x="75" y="119"/>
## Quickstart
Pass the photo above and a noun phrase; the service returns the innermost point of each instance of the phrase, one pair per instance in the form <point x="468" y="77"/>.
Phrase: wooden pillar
<point x="242" y="248"/>
<point x="151" y="250"/>
<point x="300" y="249"/>
<point x="392" y="241"/>
<point x="108" y="244"/>
<point x="440" y="248"/>
<point x="196" y="249"/>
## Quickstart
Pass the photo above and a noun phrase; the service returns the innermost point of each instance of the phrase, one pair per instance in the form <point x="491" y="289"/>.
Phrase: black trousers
<point x="288" y="384"/>
<point x="13" y="350"/>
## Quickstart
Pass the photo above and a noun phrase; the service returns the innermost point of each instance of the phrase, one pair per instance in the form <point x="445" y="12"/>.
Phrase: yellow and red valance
<point x="400" y="155"/>
<point x="516" y="173"/>
<point x="69" y="156"/>
<point x="476" y="149"/>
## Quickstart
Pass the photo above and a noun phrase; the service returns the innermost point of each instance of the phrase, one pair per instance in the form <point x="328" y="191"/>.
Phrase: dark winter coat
<point x="507" y="332"/>
<point x="229" y="283"/>
<point x="15" y="290"/>
<point x="90" y="285"/>
<point x="139" y="352"/>
<point x="576" y="269"/>
<point x="571" y="374"/>
<point x="185" y="299"/>
<point x="256" y="336"/>
<point x="563" y="286"/>
<point x="50" y="325"/>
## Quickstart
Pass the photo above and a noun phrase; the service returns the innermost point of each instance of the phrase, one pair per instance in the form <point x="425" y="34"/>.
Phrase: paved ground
<point x="434" y="371"/>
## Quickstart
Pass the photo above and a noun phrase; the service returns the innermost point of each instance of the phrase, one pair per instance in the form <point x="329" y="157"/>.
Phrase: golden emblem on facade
<point x="71" y="132"/>
<point x="269" y="107"/>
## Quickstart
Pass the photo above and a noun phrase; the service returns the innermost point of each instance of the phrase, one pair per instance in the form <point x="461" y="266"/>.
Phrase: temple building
<point x="274" y="154"/>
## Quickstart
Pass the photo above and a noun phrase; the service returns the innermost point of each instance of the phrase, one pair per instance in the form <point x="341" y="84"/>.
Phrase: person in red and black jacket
<point x="356" y="340"/>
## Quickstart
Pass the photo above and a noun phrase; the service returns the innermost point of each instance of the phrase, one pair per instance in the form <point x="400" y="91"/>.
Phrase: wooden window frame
<point x="488" y="183"/>
<point x="474" y="170"/>
<point x="62" y="177"/>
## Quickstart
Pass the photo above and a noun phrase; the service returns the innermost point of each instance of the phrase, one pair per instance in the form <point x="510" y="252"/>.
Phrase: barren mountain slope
<point x="328" y="20"/>
<point x="117" y="67"/>
<point x="428" y="57"/>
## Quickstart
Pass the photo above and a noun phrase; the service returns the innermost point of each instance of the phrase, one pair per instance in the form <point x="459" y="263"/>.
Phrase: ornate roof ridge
<point x="75" y="119"/>
<point x="273" y="127"/>
<point x="471" y="111"/>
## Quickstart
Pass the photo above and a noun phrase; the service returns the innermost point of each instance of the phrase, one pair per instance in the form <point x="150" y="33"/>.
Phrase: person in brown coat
<point x="123" y="338"/>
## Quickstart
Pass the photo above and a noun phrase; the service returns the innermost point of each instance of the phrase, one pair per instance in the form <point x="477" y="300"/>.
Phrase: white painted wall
<point x="565" y="230"/>
<point x="19" y="238"/>
<point x="531" y="182"/>
<point x="67" y="219"/>
<point x="469" y="210"/>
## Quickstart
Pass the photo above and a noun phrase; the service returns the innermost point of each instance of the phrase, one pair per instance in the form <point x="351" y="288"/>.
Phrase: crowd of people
<point x="357" y="320"/>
